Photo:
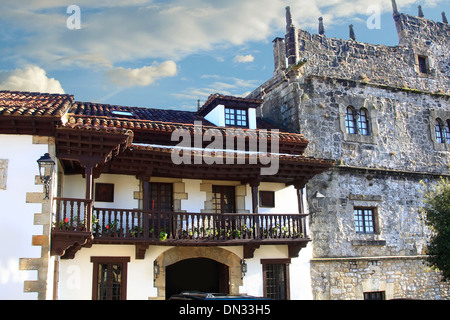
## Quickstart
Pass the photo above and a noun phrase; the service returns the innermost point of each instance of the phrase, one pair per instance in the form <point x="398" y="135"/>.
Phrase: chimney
<point x="420" y="12"/>
<point x="352" y="32"/>
<point x="444" y="18"/>
<point x="321" y="28"/>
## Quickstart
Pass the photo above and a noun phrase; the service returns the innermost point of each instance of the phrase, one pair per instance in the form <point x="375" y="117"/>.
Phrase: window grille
<point x="350" y="121"/>
<point x="447" y="131"/>
<point x="363" y="122"/>
<point x="364" y="220"/>
<point x="236" y="117"/>
<point x="439" y="129"/>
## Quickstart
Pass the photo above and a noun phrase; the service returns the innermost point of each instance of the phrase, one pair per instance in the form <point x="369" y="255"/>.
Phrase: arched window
<point x="447" y="131"/>
<point x="350" y="122"/>
<point x="363" y="122"/>
<point x="439" y="128"/>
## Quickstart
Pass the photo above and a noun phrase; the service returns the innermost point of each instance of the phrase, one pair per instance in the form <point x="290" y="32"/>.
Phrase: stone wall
<point x="401" y="122"/>
<point x="396" y="199"/>
<point x="384" y="170"/>
<point x="397" y="277"/>
<point x="396" y="66"/>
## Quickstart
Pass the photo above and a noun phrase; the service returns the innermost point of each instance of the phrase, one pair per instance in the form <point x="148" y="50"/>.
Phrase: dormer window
<point x="236" y="117"/>
<point x="228" y="111"/>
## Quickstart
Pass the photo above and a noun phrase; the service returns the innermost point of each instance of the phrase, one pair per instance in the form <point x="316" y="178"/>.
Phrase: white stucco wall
<point x="217" y="116"/>
<point x="17" y="217"/>
<point x="299" y="272"/>
<point x="74" y="186"/>
<point x="75" y="280"/>
<point x="75" y="276"/>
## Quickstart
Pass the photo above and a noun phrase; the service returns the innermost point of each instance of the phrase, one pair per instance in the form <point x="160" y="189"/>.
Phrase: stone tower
<point x="383" y="113"/>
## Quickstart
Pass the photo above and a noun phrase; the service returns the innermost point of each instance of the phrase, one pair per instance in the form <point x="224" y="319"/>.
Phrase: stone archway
<point x="220" y="255"/>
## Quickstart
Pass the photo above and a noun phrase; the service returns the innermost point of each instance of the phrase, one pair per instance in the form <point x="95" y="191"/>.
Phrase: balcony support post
<point x="145" y="180"/>
<point x="299" y="187"/>
<point x="89" y="194"/>
<point x="255" y="199"/>
<point x="254" y="184"/>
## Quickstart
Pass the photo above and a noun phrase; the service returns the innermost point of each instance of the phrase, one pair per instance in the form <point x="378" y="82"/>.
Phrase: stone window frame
<point x="368" y="202"/>
<point x="371" y="114"/>
<point x="428" y="64"/>
<point x="444" y="116"/>
<point x="3" y="173"/>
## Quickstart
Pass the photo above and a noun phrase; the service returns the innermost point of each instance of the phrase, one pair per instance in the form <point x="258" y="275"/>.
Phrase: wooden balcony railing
<point x="123" y="224"/>
<point x="73" y="214"/>
<point x="167" y="226"/>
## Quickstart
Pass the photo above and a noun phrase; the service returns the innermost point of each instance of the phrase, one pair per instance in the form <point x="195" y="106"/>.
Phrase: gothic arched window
<point x="363" y="122"/>
<point x="439" y="129"/>
<point x="350" y="122"/>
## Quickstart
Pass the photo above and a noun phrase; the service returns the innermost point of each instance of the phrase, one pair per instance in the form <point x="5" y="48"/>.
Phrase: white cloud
<point x="244" y="59"/>
<point x="142" y="76"/>
<point x="220" y="84"/>
<point x="115" y="31"/>
<point x="31" y="78"/>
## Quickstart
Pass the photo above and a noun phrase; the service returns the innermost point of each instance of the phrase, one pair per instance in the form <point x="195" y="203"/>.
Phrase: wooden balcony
<point x="143" y="228"/>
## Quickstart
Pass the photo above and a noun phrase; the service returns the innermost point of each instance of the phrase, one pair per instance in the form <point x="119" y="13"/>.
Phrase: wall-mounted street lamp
<point x="317" y="202"/>
<point x="243" y="268"/>
<point x="46" y="165"/>
<point x="156" y="269"/>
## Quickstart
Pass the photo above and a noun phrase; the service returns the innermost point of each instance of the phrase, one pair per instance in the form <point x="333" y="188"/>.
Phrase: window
<point x="236" y="117"/>
<point x="122" y="113"/>
<point x="364" y="220"/>
<point x="439" y="129"/>
<point x="447" y="131"/>
<point x="376" y="295"/>
<point x="363" y="122"/>
<point x="423" y="64"/>
<point x="109" y="278"/>
<point x="223" y="199"/>
<point x="104" y="192"/>
<point x="276" y="278"/>
<point x="350" y="121"/>
<point x="160" y="197"/>
<point x="267" y="199"/>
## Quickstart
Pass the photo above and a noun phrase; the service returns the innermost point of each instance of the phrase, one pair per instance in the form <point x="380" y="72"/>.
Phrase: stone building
<point x="383" y="113"/>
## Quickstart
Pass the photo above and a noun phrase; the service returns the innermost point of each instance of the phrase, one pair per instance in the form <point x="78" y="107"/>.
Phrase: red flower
<point x="107" y="227"/>
<point x="66" y="220"/>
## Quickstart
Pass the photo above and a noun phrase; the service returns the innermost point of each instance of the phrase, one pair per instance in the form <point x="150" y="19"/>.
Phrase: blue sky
<point x="168" y="54"/>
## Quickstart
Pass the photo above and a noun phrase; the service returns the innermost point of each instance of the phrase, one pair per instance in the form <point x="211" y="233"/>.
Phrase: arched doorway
<point x="231" y="266"/>
<point x="197" y="274"/>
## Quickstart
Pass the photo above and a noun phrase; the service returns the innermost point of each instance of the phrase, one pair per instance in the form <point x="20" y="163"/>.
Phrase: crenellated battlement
<point x="419" y="62"/>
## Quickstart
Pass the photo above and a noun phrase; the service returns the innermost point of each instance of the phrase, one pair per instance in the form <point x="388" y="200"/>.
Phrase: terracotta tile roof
<point x="130" y="114"/>
<point x="104" y="117"/>
<point x="34" y="104"/>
